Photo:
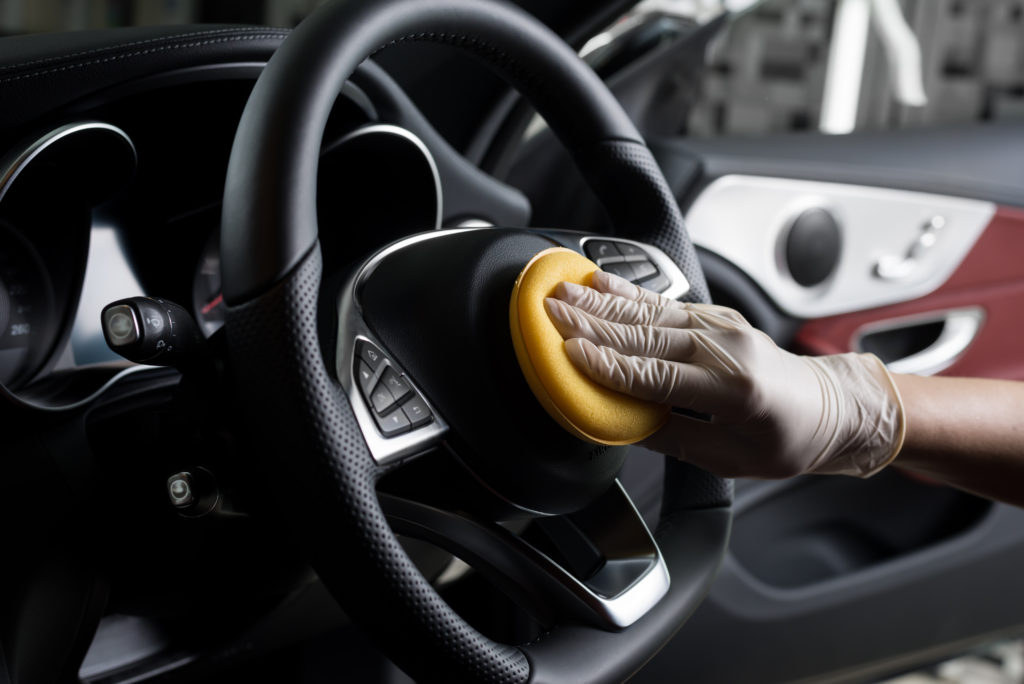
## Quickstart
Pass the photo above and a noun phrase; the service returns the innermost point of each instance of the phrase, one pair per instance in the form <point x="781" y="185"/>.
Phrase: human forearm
<point x="966" y="432"/>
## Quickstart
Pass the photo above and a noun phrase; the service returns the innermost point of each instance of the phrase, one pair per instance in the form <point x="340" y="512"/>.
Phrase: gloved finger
<point x="616" y="285"/>
<point x="683" y="385"/>
<point x="622" y="310"/>
<point x="632" y="340"/>
<point x="603" y="281"/>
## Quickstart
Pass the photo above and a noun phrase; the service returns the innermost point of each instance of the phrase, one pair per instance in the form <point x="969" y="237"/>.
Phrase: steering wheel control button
<point x="642" y="270"/>
<point x="381" y="399"/>
<point x="813" y="246"/>
<point x="366" y="377"/>
<point x="603" y="251"/>
<point x="394" y="382"/>
<point x="621" y="269"/>
<point x="632" y="252"/>
<point x="395" y="423"/>
<point x="659" y="283"/>
<point x="416" y="411"/>
<point x="397" y="407"/>
<point x="369" y="353"/>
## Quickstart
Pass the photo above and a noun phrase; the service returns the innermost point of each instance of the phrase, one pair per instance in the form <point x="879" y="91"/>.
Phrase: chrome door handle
<point x="959" y="328"/>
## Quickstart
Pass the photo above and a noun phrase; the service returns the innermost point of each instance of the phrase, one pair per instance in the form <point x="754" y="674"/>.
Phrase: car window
<point x="836" y="66"/>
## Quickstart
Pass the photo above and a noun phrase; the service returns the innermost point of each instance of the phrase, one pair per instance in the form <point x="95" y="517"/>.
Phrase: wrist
<point x="871" y="421"/>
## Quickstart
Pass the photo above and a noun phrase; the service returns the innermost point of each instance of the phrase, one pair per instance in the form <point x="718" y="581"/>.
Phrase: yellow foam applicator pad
<point x="583" y="407"/>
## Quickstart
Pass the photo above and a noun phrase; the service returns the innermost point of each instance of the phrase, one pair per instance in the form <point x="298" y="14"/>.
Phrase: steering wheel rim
<point x="291" y="402"/>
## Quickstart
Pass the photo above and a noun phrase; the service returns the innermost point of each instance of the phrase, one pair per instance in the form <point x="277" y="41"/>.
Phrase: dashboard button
<point x="416" y="411"/>
<point x="602" y="251"/>
<point x="395" y="423"/>
<point x="396" y="383"/>
<point x="381" y="399"/>
<point x="369" y="353"/>
<point x="642" y="270"/>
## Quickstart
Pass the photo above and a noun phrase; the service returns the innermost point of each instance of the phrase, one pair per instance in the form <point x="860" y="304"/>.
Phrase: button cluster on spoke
<point x="628" y="261"/>
<point x="396" y="406"/>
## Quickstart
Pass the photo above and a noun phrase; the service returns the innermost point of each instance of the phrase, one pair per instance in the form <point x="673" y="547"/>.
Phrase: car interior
<point x="263" y="415"/>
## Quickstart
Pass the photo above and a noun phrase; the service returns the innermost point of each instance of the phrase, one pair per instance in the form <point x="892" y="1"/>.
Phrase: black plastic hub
<point x="441" y="306"/>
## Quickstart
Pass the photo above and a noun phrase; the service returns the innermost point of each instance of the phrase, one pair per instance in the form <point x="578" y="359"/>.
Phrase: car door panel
<point x="819" y="584"/>
<point x="990" y="278"/>
<point x="833" y="579"/>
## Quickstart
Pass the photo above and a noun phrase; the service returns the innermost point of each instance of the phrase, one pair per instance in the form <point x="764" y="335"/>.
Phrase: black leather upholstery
<point x="42" y="73"/>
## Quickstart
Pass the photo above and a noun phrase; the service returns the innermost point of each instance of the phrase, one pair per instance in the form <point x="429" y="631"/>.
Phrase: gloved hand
<point x="772" y="414"/>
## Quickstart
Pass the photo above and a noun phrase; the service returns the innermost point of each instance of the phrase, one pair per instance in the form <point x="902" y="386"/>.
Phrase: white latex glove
<point x="773" y="414"/>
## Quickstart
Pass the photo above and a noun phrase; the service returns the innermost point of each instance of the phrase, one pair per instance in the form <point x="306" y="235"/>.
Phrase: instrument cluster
<point x="27" y="313"/>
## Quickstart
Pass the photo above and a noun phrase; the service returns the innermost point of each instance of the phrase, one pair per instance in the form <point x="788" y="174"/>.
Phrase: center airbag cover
<point x="580" y="405"/>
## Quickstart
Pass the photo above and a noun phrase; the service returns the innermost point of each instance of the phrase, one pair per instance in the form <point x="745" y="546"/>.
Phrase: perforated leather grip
<point x="302" y="426"/>
<point x="313" y="451"/>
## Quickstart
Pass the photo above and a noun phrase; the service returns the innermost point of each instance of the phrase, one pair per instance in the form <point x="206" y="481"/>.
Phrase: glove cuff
<point x="895" y="413"/>
<point x="871" y="422"/>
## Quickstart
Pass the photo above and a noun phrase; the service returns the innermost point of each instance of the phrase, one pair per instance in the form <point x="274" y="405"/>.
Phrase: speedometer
<point x="26" y="307"/>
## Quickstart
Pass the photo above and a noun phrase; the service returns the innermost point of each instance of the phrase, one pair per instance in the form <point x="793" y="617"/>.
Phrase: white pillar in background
<point x="845" y="68"/>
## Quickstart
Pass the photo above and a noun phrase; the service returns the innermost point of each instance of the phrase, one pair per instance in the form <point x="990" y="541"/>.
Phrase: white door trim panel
<point x="745" y="219"/>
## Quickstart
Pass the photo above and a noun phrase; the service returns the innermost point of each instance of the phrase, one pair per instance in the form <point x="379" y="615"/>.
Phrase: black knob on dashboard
<point x="152" y="330"/>
<point x="813" y="245"/>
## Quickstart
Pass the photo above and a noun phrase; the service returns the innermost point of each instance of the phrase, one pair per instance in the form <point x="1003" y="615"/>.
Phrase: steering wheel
<point x="430" y="313"/>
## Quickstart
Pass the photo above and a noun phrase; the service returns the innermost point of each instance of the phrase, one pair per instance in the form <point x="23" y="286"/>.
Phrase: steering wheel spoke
<point x="599" y="566"/>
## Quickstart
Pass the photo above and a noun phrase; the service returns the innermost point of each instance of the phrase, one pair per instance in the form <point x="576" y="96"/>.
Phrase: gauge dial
<point x="207" y="297"/>
<point x="26" y="307"/>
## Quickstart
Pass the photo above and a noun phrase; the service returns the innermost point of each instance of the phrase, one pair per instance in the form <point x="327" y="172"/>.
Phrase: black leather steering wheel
<point x="308" y="433"/>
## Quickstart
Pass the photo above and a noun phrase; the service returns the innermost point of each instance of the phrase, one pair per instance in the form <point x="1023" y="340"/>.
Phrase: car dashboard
<point x="111" y="188"/>
<point x="154" y="157"/>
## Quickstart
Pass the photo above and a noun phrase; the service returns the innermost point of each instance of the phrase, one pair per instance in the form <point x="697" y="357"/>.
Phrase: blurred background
<point x="780" y="65"/>
<point x="768" y="71"/>
<point x="31" y="16"/>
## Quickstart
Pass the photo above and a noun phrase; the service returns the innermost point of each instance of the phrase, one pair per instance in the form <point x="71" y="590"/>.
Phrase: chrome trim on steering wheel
<point x="352" y="327"/>
<point x="678" y="286"/>
<point x="632" y="578"/>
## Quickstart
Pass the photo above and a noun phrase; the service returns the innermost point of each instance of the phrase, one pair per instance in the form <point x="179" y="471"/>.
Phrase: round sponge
<point x="583" y="407"/>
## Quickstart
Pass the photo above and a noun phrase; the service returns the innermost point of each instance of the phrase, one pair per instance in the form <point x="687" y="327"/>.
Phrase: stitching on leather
<point x="471" y="44"/>
<point x="137" y="53"/>
<point x="113" y="48"/>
